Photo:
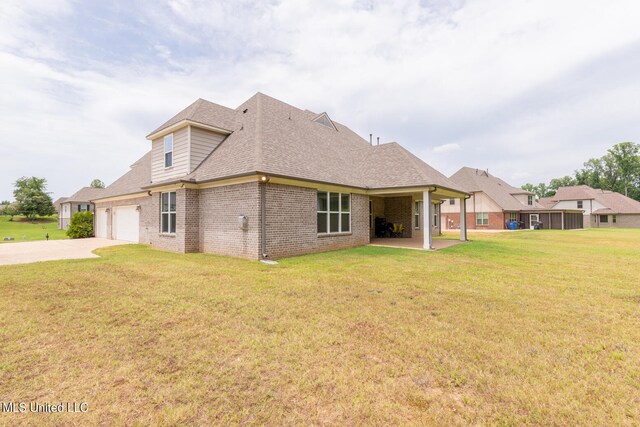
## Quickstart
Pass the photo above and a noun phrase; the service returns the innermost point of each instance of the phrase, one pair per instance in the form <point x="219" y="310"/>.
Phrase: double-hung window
<point x="530" y="200"/>
<point x="604" y="218"/>
<point x="452" y="201"/>
<point x="168" y="151"/>
<point x="334" y="212"/>
<point x="416" y="215"/>
<point x="513" y="216"/>
<point x="482" y="218"/>
<point x="168" y="212"/>
<point x="579" y="204"/>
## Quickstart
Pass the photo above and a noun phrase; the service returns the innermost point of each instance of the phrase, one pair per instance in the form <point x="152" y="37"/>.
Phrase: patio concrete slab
<point x="413" y="243"/>
<point x="28" y="252"/>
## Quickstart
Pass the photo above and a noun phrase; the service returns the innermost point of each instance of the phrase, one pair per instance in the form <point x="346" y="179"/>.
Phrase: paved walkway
<point x="28" y="252"/>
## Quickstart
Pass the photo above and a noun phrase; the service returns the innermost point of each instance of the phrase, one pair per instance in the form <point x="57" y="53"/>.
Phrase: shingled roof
<point x="85" y="194"/>
<point x="138" y="176"/>
<point x="270" y="136"/>
<point x="478" y="180"/>
<point x="203" y="112"/>
<point x="615" y="203"/>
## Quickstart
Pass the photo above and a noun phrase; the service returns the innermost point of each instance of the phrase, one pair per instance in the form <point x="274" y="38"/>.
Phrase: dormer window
<point x="324" y="120"/>
<point x="168" y="151"/>
<point x="530" y="200"/>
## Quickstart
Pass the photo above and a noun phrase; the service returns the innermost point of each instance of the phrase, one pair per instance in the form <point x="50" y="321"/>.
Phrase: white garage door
<point x="101" y="223"/>
<point x="126" y="224"/>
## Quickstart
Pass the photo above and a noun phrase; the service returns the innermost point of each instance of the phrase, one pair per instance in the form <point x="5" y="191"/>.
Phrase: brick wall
<point x="622" y="221"/>
<point x="219" y="231"/>
<point x="292" y="222"/>
<point x="399" y="210"/>
<point x="452" y="221"/>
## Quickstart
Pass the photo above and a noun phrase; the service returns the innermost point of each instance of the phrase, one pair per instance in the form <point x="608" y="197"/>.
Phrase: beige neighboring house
<point x="494" y="204"/>
<point x="268" y="180"/>
<point x="602" y="208"/>
<point x="78" y="202"/>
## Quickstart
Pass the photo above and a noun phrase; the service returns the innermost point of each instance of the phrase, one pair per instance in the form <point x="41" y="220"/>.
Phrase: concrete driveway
<point x="27" y="252"/>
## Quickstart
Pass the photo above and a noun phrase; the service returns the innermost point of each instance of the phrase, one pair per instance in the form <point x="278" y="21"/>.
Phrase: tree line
<point x="618" y="170"/>
<point x="32" y="198"/>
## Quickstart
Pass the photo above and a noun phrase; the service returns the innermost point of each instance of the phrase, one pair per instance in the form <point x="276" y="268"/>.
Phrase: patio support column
<point x="426" y="220"/>
<point x="463" y="219"/>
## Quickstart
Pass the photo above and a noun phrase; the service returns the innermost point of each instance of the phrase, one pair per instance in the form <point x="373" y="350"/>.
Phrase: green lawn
<point x="21" y="229"/>
<point x="533" y="327"/>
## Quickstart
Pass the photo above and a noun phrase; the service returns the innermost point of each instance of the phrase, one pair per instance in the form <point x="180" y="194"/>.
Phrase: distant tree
<point x="10" y="210"/>
<point x="627" y="160"/>
<point x="32" y="197"/>
<point x="81" y="225"/>
<point x="540" y="190"/>
<point x="5" y="203"/>
<point x="96" y="183"/>
<point x="565" y="181"/>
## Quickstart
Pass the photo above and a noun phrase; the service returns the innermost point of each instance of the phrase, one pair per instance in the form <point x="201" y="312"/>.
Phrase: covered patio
<point x="404" y="211"/>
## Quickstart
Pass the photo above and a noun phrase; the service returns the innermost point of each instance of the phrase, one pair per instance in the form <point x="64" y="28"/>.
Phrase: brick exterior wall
<point x="292" y="222"/>
<point x="218" y="229"/>
<point x="399" y="210"/>
<point x="207" y="221"/>
<point x="452" y="221"/>
<point x="622" y="221"/>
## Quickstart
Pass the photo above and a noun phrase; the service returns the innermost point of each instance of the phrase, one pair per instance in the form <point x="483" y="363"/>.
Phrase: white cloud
<point x="446" y="148"/>
<point x="490" y="84"/>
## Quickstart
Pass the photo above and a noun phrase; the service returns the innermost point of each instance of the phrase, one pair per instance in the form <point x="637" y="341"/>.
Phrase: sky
<point x="529" y="90"/>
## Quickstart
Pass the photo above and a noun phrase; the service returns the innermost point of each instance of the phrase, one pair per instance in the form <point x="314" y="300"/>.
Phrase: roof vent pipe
<point x="370" y="139"/>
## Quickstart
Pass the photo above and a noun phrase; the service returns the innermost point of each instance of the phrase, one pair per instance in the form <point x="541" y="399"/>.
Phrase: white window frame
<point x="452" y="201"/>
<point x="416" y="214"/>
<point x="530" y="200"/>
<point x="328" y="213"/>
<point x="481" y="217"/>
<point x="579" y="204"/>
<point x="170" y="138"/>
<point x="513" y="216"/>
<point x="614" y="219"/>
<point x="168" y="213"/>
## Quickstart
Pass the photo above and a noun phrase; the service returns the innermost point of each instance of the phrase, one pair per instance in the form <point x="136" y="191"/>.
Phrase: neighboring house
<point x="79" y="202"/>
<point x="494" y="203"/>
<point x="57" y="204"/>
<point x="602" y="208"/>
<point x="267" y="180"/>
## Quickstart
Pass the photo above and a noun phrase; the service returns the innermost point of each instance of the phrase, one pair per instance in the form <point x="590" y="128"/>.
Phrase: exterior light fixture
<point x="138" y="208"/>
<point x="265" y="178"/>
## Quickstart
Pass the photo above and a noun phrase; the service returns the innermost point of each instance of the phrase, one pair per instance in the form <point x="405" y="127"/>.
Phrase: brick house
<point x="80" y="201"/>
<point x="494" y="203"/>
<point x="602" y="208"/>
<point x="268" y="180"/>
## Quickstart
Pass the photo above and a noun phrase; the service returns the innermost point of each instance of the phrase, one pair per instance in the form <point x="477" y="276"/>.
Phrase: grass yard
<point x="21" y="229"/>
<point x="525" y="328"/>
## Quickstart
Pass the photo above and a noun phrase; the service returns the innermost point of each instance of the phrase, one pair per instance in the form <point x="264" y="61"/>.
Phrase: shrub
<point x="81" y="225"/>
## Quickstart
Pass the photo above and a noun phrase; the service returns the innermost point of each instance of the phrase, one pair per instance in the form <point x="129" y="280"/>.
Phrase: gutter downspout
<point x="263" y="218"/>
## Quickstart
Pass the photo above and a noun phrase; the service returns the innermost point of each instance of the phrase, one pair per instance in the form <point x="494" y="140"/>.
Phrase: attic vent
<point x="324" y="120"/>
